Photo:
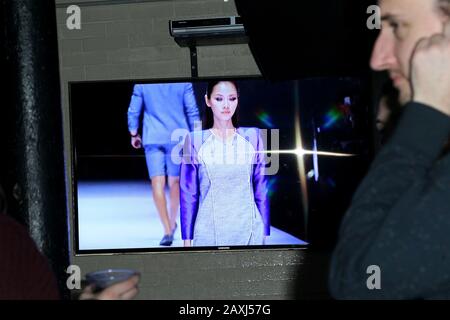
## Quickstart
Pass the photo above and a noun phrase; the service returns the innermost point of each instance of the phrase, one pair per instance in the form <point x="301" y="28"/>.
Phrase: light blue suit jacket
<point x="166" y="107"/>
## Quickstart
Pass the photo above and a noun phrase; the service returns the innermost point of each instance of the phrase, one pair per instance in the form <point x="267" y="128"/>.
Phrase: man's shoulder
<point x="14" y="235"/>
<point x="19" y="254"/>
<point x="10" y="228"/>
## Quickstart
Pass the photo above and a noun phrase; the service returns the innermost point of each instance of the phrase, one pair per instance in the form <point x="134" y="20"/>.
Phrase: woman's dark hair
<point x="208" y="118"/>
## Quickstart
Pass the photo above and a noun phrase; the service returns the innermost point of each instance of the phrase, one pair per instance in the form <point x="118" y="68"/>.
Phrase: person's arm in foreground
<point x="398" y="219"/>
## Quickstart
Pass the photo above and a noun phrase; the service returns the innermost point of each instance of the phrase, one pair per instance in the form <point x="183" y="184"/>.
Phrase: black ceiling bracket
<point x="206" y="32"/>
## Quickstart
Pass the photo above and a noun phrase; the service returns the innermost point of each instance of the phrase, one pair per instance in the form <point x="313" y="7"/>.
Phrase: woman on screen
<point x="223" y="194"/>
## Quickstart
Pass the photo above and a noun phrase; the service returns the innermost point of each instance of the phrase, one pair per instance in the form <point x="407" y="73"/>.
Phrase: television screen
<point x="215" y="164"/>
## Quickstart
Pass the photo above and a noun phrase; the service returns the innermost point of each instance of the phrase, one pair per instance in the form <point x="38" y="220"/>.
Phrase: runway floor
<point x="121" y="215"/>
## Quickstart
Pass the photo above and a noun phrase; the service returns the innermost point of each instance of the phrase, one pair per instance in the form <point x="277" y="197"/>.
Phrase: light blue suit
<point x="170" y="111"/>
<point x="166" y="107"/>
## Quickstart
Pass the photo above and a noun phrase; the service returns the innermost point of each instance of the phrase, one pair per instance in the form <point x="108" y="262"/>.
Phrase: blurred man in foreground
<point x="395" y="238"/>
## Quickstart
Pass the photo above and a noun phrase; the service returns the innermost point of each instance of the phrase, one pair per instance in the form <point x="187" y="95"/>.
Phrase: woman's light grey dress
<point x="227" y="212"/>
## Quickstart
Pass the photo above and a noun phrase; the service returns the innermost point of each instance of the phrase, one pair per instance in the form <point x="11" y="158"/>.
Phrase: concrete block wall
<point x="131" y="41"/>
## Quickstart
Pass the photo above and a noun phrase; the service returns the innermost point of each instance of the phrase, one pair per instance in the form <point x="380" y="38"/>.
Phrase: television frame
<point x="151" y="250"/>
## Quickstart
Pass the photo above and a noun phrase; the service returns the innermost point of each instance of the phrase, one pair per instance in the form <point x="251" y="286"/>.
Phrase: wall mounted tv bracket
<point x="206" y="32"/>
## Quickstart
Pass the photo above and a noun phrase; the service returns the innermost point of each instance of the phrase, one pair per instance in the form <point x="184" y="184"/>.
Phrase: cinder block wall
<point x="131" y="41"/>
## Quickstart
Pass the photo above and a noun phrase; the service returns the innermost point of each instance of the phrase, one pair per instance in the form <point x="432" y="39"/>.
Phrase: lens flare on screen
<point x="335" y="114"/>
<point x="299" y="152"/>
<point x="272" y="184"/>
<point x="265" y="118"/>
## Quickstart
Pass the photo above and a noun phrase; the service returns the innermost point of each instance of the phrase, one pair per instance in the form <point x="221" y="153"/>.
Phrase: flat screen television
<point x="317" y="137"/>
